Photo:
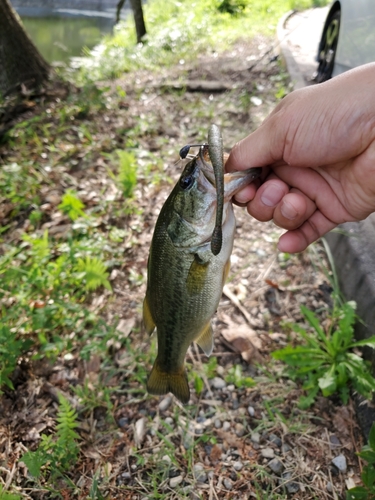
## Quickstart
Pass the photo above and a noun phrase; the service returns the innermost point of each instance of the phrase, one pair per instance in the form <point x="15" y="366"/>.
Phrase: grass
<point x="81" y="184"/>
<point x="178" y="32"/>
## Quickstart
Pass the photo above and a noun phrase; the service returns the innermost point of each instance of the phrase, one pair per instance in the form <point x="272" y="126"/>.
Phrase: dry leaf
<point x="125" y="326"/>
<point x="342" y="420"/>
<point x="244" y="340"/>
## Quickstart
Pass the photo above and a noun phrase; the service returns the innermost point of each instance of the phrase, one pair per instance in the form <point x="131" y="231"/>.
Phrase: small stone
<point x="207" y="422"/>
<point x="165" y="403"/>
<point x="240" y="430"/>
<point x="237" y="466"/>
<point x="291" y="486"/>
<point x="126" y="475"/>
<point x="251" y="411"/>
<point x="218" y="383"/>
<point x="198" y="429"/>
<point x="256" y="100"/>
<point x="231" y="387"/>
<point x="228" y="483"/>
<point x="329" y="487"/>
<point x="334" y="442"/>
<point x="217" y="423"/>
<point x="123" y="422"/>
<point x="199" y="473"/>
<point x="226" y="426"/>
<point x="169" y="420"/>
<point x="166" y="458"/>
<point x="139" y="431"/>
<point x="275" y="440"/>
<point x="175" y="481"/>
<point x="267" y="453"/>
<point x="276" y="466"/>
<point x="220" y="370"/>
<point x="340" y="463"/>
<point x="285" y="448"/>
<point x="174" y="471"/>
<point x="255" y="437"/>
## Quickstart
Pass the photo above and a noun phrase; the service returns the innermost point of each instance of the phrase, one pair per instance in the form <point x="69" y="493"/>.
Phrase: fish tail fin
<point x="160" y="382"/>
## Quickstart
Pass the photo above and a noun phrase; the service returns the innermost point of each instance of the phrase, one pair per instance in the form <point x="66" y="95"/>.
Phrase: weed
<point x="325" y="360"/>
<point x="41" y="296"/>
<point x="71" y="205"/>
<point x="5" y="495"/>
<point x="93" y="271"/>
<point x="11" y="349"/>
<point x="235" y="376"/>
<point x="367" y="491"/>
<point x="127" y="176"/>
<point x="56" y="455"/>
<point x="232" y="7"/>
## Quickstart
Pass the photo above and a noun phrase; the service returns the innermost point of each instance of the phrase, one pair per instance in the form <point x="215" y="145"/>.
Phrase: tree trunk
<point x="118" y="10"/>
<point x="20" y="61"/>
<point x="139" y="21"/>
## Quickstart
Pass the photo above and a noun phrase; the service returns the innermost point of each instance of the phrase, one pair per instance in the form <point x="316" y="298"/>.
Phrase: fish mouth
<point x="233" y="181"/>
<point x="206" y="165"/>
<point x="237" y="180"/>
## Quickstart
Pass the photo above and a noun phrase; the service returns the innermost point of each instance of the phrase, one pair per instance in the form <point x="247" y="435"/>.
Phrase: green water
<point x="59" y="38"/>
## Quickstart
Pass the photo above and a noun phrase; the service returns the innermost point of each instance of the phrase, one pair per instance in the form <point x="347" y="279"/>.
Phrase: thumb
<point x="263" y="147"/>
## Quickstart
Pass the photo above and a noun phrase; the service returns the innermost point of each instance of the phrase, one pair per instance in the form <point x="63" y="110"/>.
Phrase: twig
<point x="263" y="275"/>
<point x="232" y="297"/>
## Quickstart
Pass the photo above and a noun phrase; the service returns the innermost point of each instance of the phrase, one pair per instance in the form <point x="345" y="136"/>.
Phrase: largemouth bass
<point x="188" y="264"/>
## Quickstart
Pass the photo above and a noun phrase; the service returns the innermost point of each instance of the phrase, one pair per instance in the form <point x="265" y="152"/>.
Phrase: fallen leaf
<point x="139" y="431"/>
<point x="125" y="326"/>
<point x="244" y="340"/>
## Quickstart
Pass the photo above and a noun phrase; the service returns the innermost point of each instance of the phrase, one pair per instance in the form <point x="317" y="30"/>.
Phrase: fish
<point x="189" y="262"/>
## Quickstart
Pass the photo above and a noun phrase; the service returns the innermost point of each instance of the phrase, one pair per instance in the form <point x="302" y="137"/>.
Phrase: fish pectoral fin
<point x="148" y="321"/>
<point x="197" y="276"/>
<point x="160" y="382"/>
<point x="206" y="339"/>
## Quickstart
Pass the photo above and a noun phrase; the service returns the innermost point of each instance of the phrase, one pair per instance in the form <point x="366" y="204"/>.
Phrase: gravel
<point x="228" y="484"/>
<point x="165" y="403"/>
<point x="175" y="481"/>
<point x="237" y="466"/>
<point x="255" y="437"/>
<point x="199" y="473"/>
<point x="275" y="440"/>
<point x="218" y="383"/>
<point x="276" y="466"/>
<point x="251" y="411"/>
<point x="267" y="453"/>
<point x="340" y="463"/>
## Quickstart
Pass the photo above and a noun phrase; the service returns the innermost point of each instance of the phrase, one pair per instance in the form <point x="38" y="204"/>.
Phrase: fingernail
<point x="288" y="211"/>
<point x="272" y="196"/>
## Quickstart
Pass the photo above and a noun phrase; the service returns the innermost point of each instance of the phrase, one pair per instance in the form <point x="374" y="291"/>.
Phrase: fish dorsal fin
<point x="206" y="339"/>
<point x="160" y="383"/>
<point x="148" y="321"/>
<point x="197" y="276"/>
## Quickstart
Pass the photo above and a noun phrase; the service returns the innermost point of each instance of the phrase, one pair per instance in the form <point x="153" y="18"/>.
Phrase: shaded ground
<point x="235" y="440"/>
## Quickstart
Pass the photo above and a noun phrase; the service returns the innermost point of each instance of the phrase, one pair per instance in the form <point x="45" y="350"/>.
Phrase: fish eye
<point x="186" y="181"/>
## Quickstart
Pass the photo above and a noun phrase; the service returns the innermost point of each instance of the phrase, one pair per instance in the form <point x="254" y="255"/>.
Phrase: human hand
<point x="318" y="152"/>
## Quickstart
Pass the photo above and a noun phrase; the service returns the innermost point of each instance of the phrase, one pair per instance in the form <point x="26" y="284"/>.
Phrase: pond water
<point x="62" y="34"/>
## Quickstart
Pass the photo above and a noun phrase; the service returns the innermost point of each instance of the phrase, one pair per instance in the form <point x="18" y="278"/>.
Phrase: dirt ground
<point x="234" y="441"/>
